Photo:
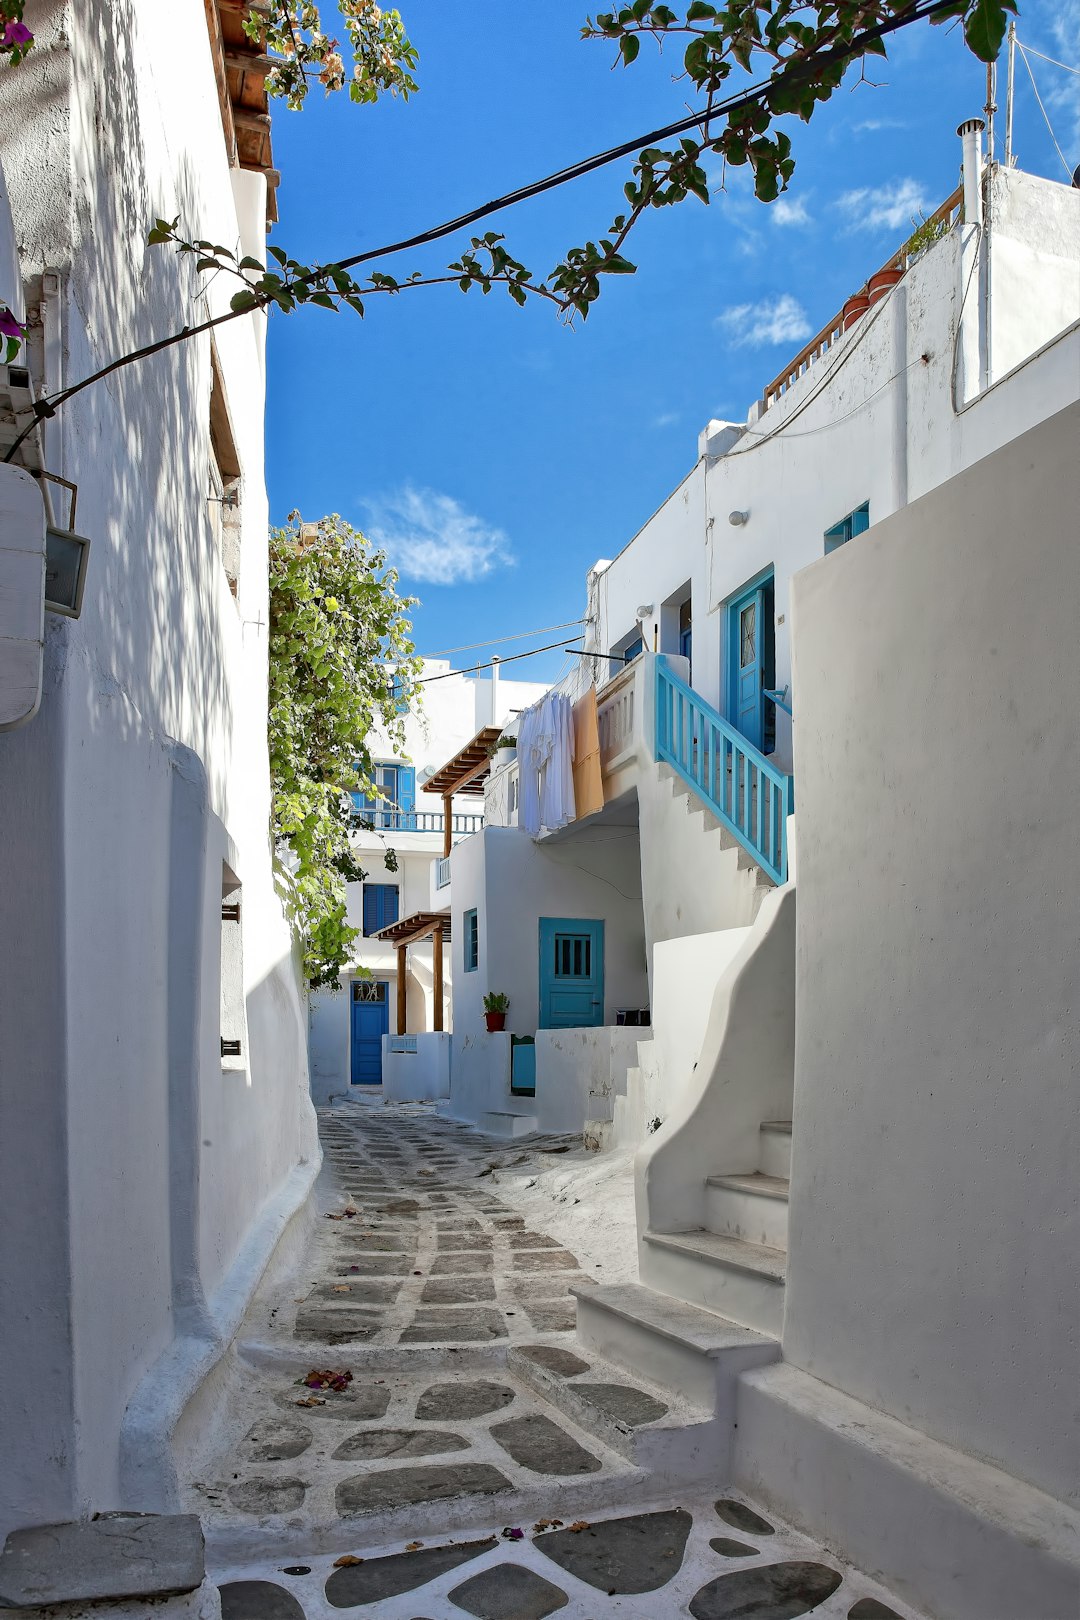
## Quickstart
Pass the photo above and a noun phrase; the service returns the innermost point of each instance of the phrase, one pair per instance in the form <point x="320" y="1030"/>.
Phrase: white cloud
<point x="665" y="419"/>
<point x="789" y="211"/>
<point x="773" y="320"/>
<point x="1061" y="91"/>
<point x="432" y="537"/>
<point x="871" y="125"/>
<point x="889" y="207"/>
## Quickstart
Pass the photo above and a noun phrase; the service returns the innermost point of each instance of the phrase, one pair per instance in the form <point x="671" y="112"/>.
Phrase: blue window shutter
<point x="406" y="796"/>
<point x="471" y="942"/>
<point x="380" y="906"/>
<point x="860" y="519"/>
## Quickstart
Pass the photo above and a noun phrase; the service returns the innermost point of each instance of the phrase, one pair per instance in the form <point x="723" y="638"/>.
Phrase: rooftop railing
<point x="424" y="821"/>
<point x="947" y="215"/>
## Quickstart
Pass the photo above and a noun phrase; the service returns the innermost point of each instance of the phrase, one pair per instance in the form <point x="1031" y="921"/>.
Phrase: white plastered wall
<point x="933" y="1254"/>
<point x="152" y="1171"/>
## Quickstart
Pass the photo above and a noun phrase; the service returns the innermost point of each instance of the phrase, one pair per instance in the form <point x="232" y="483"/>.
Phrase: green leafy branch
<point x="342" y="667"/>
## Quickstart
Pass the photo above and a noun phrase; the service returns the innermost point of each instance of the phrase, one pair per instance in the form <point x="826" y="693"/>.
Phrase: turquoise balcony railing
<point x="745" y="793"/>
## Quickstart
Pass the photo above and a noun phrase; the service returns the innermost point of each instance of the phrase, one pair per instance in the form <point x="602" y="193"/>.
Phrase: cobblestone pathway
<point x="472" y="1462"/>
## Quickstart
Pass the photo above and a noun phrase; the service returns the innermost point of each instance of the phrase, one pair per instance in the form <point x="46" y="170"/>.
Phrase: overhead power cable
<point x="848" y="51"/>
<point x="552" y="646"/>
<point x="1046" y="116"/>
<point x="497" y="641"/>
<point x="851" y="49"/>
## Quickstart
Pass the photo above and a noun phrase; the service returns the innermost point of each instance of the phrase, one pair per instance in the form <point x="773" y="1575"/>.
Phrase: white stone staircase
<point x="736" y="1263"/>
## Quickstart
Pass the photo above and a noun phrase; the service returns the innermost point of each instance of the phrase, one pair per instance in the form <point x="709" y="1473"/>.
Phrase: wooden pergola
<point x="241" y="67"/>
<point x="410" y="931"/>
<point x="465" y="773"/>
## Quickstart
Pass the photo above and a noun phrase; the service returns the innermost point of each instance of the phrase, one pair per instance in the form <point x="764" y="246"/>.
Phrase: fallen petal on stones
<point x="727" y="1547"/>
<point x="379" y="1443"/>
<point x="456" y="1402"/>
<point x="541" y="1446"/>
<point x="379" y="1578"/>
<point x="743" y="1518"/>
<point x="769" y="1592"/>
<point x="355" y="1405"/>
<point x="508" y="1592"/>
<point x="405" y="1487"/>
<point x="625" y="1556"/>
<point x="267" y="1495"/>
<point x="258" y="1600"/>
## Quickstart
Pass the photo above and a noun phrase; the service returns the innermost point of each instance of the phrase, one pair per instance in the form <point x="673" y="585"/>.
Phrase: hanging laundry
<point x="545" y="744"/>
<point x="557" y="787"/>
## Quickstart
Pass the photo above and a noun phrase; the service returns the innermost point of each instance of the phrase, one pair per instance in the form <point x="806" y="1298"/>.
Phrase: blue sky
<point x="497" y="453"/>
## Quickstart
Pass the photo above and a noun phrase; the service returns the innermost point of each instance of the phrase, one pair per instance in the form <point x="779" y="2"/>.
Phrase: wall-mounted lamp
<point x="66" y="555"/>
<point x="737" y="519"/>
<point x="646" y="612"/>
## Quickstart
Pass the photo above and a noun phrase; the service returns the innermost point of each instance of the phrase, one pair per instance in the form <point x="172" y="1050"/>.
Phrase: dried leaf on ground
<point x="414" y="1546"/>
<point x="580" y="1524"/>
<point x="547" y="1524"/>
<point x="342" y="1288"/>
<point x="347" y="1561"/>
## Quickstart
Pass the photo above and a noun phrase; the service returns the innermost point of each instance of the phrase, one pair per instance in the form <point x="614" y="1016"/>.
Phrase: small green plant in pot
<point x="496" y="1006"/>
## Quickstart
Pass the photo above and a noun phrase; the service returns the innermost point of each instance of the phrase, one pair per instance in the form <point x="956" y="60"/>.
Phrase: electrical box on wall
<point x="66" y="557"/>
<point x="22" y="595"/>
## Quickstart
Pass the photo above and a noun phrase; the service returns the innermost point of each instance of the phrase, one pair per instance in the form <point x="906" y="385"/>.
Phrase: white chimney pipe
<point x="495" y="712"/>
<point x="970" y="133"/>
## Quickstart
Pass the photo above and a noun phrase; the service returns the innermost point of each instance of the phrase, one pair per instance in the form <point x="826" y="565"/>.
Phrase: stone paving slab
<point x="407" y="1487"/>
<point x="115" y="1555"/>
<point x="430" y="1256"/>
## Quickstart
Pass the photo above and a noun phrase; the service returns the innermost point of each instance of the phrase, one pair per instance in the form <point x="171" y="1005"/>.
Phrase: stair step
<point x="752" y="1207"/>
<point x="675" y="1345"/>
<point x="740" y="1280"/>
<point x="652" y="1427"/>
<point x="774" y="1148"/>
<point x="753" y="1182"/>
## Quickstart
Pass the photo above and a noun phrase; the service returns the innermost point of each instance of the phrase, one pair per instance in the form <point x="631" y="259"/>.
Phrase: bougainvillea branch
<point x="383" y="58"/>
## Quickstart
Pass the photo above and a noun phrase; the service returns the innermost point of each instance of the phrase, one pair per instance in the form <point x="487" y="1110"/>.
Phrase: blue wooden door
<point x="370" y="1022"/>
<point x="746" y="663"/>
<point x="571" y="973"/>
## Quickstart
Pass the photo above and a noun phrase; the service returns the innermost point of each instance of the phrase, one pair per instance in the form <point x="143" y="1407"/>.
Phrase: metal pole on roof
<point x="990" y="109"/>
<point x="1010" y="85"/>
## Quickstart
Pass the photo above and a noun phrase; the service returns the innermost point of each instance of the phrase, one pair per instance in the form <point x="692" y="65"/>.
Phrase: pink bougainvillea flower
<point x="17" y="33"/>
<point x="9" y="326"/>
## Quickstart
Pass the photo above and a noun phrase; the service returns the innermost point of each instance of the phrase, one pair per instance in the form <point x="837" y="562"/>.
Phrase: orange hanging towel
<point x="588" y="779"/>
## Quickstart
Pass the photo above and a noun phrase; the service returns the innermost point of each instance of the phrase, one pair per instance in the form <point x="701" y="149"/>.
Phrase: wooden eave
<point x="417" y="926"/>
<point x="240" y="69"/>
<point x="470" y="767"/>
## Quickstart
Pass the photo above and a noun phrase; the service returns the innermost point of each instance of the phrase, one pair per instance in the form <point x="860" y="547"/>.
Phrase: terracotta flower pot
<point x="883" y="281"/>
<point x="495" y="1021"/>
<point x="855" y="308"/>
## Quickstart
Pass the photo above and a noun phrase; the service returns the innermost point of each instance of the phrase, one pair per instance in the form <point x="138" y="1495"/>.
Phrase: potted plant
<point x="505" y="750"/>
<point x="496" y="1006"/>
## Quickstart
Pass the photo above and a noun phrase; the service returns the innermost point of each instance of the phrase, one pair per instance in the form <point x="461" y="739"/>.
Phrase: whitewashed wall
<point x="933" y="1254"/>
<point x="872" y="421"/>
<point x="143" y="1184"/>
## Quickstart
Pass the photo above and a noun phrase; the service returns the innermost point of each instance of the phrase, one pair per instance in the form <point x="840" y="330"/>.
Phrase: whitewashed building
<point x="385" y="1030"/>
<point x="156" y="1132"/>
<point x="837" y="697"/>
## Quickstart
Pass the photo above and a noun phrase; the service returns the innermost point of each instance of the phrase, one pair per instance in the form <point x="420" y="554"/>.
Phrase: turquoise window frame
<point x="856" y="522"/>
<point x="470" y="941"/>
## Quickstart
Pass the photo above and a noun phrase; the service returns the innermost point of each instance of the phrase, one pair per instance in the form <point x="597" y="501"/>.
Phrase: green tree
<point x="342" y="665"/>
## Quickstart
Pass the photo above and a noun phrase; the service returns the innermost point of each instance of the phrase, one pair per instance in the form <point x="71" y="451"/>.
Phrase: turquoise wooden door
<point x="370" y="1022"/>
<point x="747" y="704"/>
<point x="571" y="973"/>
<point x="750" y="661"/>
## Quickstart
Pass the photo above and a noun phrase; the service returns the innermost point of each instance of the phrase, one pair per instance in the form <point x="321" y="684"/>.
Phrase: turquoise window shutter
<point x="406" y="795"/>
